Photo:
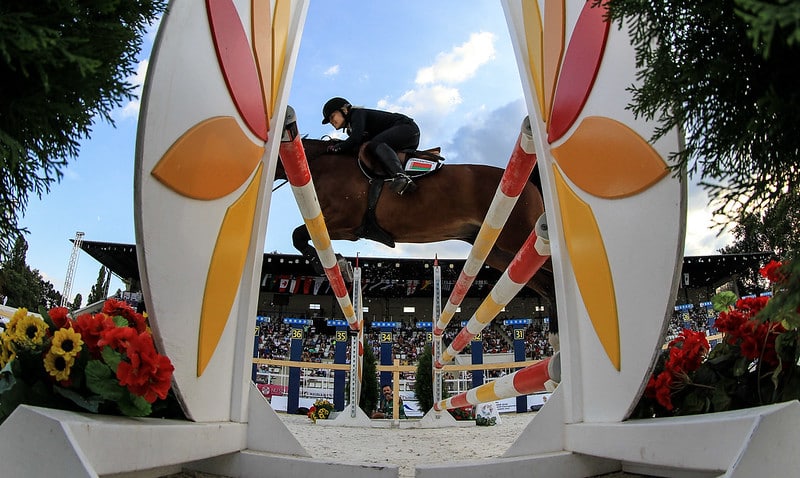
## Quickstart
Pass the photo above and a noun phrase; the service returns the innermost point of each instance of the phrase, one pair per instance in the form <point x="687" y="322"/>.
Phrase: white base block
<point x="345" y="418"/>
<point x="45" y="442"/>
<point x="249" y="464"/>
<point x="443" y="419"/>
<point x="553" y="465"/>
<point x="761" y="441"/>
<point x="266" y="431"/>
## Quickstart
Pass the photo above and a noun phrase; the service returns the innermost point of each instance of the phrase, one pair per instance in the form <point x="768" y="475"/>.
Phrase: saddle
<point x="416" y="164"/>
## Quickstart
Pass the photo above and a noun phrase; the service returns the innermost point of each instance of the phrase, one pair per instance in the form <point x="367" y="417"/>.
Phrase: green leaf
<point x="791" y="389"/>
<point x="7" y="379"/>
<point x="111" y="357"/>
<point x="720" y="400"/>
<point x="46" y="318"/>
<point x="134" y="406"/>
<point x="101" y="380"/>
<point x="724" y="301"/>
<point x="785" y="343"/>
<point x="693" y="403"/>
<point x="91" y="404"/>
<point x="740" y="367"/>
<point x="120" y="321"/>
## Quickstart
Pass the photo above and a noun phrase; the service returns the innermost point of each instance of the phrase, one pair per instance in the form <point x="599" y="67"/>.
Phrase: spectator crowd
<point x="319" y="342"/>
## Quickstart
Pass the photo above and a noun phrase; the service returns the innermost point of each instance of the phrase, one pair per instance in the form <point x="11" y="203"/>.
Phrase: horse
<point x="448" y="204"/>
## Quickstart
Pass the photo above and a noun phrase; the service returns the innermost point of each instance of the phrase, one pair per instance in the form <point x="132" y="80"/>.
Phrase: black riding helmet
<point x="332" y="105"/>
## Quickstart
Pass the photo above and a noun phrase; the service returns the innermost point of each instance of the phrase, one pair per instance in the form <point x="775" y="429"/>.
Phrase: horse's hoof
<point x="346" y="268"/>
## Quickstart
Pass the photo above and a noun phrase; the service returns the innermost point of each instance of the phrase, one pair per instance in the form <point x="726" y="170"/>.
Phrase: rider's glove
<point x="334" y="148"/>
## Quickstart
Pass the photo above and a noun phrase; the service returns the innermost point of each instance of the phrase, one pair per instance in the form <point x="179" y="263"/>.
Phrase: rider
<point x="386" y="133"/>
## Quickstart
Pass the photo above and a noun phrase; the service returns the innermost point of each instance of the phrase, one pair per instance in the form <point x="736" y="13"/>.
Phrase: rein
<point x="279" y="185"/>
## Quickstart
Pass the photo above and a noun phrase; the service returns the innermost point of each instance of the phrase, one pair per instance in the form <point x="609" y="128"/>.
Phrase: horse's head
<point x="313" y="148"/>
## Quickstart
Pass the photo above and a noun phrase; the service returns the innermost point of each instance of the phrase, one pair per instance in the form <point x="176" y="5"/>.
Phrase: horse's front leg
<point x="300" y="240"/>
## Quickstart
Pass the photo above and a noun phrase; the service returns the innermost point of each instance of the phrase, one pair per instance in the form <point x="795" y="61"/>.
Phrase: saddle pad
<point x="418" y="165"/>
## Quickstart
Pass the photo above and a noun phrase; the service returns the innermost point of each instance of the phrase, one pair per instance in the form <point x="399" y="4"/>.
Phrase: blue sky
<point x="448" y="64"/>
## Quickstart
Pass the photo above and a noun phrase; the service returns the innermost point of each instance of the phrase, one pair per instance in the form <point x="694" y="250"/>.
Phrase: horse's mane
<point x="315" y="147"/>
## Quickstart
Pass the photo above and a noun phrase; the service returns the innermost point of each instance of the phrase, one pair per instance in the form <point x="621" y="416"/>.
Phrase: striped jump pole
<point x="293" y="157"/>
<point x="530" y="379"/>
<point x="528" y="260"/>
<point x="516" y="175"/>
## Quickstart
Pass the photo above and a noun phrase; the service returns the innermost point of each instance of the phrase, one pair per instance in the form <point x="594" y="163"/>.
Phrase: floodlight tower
<point x="73" y="264"/>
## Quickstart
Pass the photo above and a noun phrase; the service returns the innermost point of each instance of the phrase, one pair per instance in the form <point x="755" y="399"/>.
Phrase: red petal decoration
<point x="238" y="65"/>
<point x="581" y="62"/>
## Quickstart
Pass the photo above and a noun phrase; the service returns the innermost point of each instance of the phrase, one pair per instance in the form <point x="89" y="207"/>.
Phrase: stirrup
<point x="402" y="184"/>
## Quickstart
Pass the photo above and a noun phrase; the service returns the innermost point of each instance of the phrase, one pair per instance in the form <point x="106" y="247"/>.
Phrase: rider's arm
<point x="357" y="127"/>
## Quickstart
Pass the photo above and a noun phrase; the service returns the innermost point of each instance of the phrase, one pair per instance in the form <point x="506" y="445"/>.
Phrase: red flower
<point x="113" y="308"/>
<point x="59" y="317"/>
<point x="145" y="373"/>
<point x="117" y="338"/>
<point x="752" y="335"/>
<point x="686" y="352"/>
<point x="730" y="322"/>
<point x="91" y="328"/>
<point x="751" y="306"/>
<point x="773" y="272"/>
<point x="663" y="389"/>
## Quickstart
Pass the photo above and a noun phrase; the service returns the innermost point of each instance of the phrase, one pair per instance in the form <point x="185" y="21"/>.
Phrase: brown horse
<point x="448" y="204"/>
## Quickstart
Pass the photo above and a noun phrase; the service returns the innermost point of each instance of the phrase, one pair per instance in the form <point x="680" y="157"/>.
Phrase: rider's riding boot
<point x="401" y="183"/>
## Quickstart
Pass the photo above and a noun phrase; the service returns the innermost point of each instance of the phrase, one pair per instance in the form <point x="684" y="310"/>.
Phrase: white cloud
<point x="702" y="238"/>
<point x="461" y="63"/>
<point x="131" y="110"/>
<point x="436" y="98"/>
<point x="332" y="71"/>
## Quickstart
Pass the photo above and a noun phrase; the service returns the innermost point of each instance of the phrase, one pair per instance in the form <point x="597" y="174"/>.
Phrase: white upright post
<point x="436" y="340"/>
<point x="438" y="418"/>
<point x="352" y="415"/>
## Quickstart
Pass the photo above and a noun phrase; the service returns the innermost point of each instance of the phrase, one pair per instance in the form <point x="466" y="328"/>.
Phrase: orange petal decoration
<point x="280" y="35"/>
<point x="238" y="66"/>
<point x="225" y="270"/>
<point x="261" y="20"/>
<point x="607" y="159"/>
<point x="590" y="265"/>
<point x="554" y="28"/>
<point x="581" y="62"/>
<point x="210" y="161"/>
<point x="532" y="21"/>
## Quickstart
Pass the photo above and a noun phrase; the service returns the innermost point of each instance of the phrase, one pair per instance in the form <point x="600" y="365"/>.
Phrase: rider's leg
<point x="391" y="163"/>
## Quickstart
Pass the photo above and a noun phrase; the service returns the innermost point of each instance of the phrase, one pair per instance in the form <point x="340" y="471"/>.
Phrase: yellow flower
<point x="30" y="330"/>
<point x="59" y="366"/>
<point x="66" y="342"/>
<point x="7" y="350"/>
<point x="11" y="327"/>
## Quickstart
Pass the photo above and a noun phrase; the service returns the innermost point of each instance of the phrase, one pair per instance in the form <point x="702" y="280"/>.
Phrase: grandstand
<point x="400" y="290"/>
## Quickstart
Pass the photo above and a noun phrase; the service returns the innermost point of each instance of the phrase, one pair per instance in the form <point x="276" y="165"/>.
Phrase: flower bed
<point x="755" y="363"/>
<point x="100" y="363"/>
